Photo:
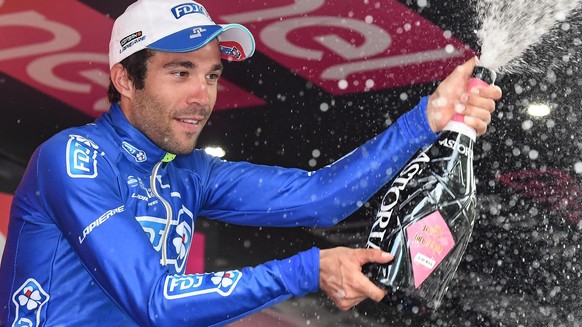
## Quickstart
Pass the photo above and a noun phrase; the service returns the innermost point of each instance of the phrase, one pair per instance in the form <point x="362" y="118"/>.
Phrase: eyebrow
<point x="178" y="63"/>
<point x="218" y="67"/>
<point x="189" y="65"/>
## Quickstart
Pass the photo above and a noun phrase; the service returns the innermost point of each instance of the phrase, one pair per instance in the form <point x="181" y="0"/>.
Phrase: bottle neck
<point x="481" y="76"/>
<point x="461" y="128"/>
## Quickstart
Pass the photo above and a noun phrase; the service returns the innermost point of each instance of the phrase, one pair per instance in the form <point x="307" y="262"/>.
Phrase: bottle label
<point x="430" y="240"/>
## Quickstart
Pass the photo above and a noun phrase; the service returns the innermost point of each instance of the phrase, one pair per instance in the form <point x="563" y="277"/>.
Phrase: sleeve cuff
<point x="300" y="273"/>
<point x="415" y="124"/>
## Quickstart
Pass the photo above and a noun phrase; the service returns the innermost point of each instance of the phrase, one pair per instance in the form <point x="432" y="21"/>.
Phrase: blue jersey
<point x="102" y="223"/>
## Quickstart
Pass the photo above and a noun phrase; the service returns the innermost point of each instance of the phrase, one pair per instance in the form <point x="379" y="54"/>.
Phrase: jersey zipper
<point x="164" y="259"/>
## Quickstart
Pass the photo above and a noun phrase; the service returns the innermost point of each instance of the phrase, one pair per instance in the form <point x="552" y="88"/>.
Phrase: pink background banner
<point x="348" y="46"/>
<point x="60" y="48"/>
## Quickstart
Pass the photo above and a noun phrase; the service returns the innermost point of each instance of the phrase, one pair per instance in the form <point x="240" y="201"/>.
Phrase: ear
<point x="121" y="81"/>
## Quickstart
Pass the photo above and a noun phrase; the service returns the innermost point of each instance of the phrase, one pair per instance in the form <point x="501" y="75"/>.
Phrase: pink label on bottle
<point x="430" y="240"/>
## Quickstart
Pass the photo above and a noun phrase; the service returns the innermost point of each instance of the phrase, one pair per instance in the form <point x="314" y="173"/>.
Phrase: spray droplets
<point x="342" y="84"/>
<point x="449" y="48"/>
<point x="527" y="124"/>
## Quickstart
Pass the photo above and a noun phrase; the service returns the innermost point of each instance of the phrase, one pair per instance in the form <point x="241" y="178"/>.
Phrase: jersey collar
<point x="135" y="146"/>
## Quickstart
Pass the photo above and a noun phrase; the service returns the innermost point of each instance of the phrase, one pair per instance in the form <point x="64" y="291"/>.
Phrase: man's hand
<point x="341" y="277"/>
<point x="452" y="97"/>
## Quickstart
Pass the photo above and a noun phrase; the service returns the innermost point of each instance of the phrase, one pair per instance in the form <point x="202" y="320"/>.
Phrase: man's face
<point x="178" y="97"/>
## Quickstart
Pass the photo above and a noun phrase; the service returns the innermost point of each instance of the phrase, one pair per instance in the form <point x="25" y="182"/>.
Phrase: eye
<point x="213" y="78"/>
<point x="181" y="73"/>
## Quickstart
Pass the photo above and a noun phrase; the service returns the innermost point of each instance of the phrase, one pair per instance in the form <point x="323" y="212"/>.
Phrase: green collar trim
<point x="168" y="157"/>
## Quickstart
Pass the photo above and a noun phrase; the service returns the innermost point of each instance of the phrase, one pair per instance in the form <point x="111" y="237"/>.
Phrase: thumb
<point x="465" y="70"/>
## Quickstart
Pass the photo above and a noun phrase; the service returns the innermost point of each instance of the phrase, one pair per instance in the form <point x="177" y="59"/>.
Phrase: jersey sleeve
<point x="243" y="193"/>
<point x="79" y="188"/>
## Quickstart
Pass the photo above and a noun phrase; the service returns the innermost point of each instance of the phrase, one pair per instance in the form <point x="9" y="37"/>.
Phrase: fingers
<point x="477" y="105"/>
<point x="341" y="276"/>
<point x="475" y="97"/>
<point x="346" y="300"/>
<point x="451" y="96"/>
<point x="355" y="290"/>
<point x="492" y="92"/>
<point x="479" y="125"/>
<point x="373" y="255"/>
<point x="369" y="289"/>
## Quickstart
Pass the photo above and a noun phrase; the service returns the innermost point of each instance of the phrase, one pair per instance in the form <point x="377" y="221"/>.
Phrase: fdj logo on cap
<point x="188" y="8"/>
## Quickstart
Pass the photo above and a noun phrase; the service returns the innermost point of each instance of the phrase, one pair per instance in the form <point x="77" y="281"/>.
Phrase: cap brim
<point x="236" y="41"/>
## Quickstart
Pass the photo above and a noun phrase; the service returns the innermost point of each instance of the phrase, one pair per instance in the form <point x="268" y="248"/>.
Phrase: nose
<point x="198" y="92"/>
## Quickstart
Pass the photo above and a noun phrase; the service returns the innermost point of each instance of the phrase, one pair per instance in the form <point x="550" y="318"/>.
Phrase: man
<point x="102" y="221"/>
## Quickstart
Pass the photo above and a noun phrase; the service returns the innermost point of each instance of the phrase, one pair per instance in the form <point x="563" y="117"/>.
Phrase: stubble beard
<point x="151" y="118"/>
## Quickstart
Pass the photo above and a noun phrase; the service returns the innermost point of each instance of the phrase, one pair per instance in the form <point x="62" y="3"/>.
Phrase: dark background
<point x="522" y="267"/>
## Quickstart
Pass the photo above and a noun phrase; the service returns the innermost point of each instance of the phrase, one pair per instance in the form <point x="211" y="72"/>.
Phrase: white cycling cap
<point x="175" y="26"/>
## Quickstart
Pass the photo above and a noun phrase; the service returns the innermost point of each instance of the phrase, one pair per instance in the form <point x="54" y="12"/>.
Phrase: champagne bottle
<point x="426" y="217"/>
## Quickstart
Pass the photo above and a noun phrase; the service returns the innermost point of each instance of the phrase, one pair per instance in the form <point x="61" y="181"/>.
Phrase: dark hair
<point x="136" y="66"/>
